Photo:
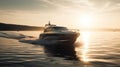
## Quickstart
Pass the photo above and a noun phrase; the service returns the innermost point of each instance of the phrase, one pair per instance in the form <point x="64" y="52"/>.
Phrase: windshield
<point x="60" y="28"/>
<point x="49" y="29"/>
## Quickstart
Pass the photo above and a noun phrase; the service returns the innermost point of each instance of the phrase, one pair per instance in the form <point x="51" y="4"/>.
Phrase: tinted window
<point x="48" y="29"/>
<point x="60" y="28"/>
<point x="55" y="29"/>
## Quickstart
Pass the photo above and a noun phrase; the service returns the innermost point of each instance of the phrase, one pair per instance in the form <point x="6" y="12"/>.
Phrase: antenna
<point x="49" y="23"/>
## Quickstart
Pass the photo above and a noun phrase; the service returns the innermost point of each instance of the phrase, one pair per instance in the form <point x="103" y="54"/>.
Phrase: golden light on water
<point x="85" y="37"/>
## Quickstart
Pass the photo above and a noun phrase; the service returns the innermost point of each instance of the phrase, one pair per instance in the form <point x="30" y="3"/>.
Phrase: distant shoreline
<point x="14" y="27"/>
<point x="99" y="29"/>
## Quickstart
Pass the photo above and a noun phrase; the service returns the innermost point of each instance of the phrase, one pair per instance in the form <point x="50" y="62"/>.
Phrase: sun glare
<point x="86" y="20"/>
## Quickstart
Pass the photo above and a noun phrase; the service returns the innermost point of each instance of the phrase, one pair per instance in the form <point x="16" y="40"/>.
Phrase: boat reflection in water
<point x="63" y="50"/>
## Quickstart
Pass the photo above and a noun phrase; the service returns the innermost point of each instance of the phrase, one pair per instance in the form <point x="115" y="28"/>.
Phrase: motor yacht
<point x="59" y="34"/>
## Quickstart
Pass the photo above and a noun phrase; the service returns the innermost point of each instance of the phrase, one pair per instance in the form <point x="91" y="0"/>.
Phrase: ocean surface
<point x="92" y="49"/>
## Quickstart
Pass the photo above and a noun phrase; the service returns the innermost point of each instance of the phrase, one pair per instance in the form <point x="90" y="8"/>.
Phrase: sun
<point x="86" y="20"/>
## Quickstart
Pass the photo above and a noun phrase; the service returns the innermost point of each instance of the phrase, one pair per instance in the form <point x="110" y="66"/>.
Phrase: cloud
<point x="71" y="5"/>
<point x="106" y="5"/>
<point x="25" y="5"/>
<point x="61" y="5"/>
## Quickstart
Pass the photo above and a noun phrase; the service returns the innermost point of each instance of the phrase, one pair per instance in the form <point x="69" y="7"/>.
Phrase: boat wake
<point x="11" y="35"/>
<point x="20" y="37"/>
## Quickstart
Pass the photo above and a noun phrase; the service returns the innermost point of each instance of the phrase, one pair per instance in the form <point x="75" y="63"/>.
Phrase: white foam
<point x="25" y="38"/>
<point x="12" y="35"/>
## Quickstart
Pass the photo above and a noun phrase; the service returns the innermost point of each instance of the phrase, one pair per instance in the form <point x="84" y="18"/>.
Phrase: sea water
<point x="93" y="49"/>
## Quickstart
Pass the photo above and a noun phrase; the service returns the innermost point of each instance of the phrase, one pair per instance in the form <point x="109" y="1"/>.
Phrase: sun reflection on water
<point x="85" y="37"/>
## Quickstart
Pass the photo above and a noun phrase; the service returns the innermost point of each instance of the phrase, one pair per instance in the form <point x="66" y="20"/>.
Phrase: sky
<point x="71" y="13"/>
